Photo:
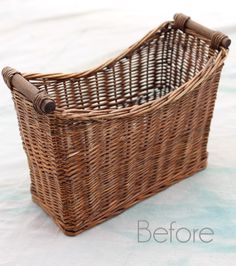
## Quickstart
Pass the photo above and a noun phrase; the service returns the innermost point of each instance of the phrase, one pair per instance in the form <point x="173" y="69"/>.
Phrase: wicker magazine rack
<point x="99" y="141"/>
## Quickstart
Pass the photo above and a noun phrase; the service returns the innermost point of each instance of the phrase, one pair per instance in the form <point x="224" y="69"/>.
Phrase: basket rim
<point x="134" y="110"/>
<point x="137" y="110"/>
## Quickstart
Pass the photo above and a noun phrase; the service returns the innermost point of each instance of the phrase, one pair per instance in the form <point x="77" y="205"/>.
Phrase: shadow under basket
<point x="99" y="141"/>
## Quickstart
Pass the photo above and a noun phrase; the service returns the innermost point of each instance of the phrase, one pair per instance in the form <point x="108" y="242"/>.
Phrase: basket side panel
<point x="37" y="133"/>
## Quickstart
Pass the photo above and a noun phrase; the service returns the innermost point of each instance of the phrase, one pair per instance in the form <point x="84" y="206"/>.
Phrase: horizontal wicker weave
<point x="102" y="140"/>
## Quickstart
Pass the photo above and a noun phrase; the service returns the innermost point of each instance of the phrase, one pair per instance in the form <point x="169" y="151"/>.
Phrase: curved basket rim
<point x="135" y="109"/>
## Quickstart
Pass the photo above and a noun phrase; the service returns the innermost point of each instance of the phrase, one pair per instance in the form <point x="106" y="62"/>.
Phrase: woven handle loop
<point x="41" y="101"/>
<point x="217" y="38"/>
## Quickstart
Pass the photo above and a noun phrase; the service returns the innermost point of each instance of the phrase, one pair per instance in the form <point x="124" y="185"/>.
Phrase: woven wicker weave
<point x="102" y="140"/>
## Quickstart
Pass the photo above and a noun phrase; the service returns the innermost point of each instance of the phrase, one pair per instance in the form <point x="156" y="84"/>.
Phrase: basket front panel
<point x="84" y="172"/>
<point x="113" y="164"/>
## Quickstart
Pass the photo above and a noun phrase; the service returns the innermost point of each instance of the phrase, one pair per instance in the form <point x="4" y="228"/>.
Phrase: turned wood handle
<point x="42" y="103"/>
<point x="217" y="38"/>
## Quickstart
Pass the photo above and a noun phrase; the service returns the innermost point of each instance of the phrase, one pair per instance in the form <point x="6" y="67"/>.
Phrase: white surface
<point x="65" y="36"/>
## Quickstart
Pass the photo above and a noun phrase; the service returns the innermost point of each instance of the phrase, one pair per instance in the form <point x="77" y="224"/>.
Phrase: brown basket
<point x="102" y="140"/>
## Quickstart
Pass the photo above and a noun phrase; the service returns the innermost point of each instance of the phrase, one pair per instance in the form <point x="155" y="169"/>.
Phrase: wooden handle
<point x="217" y="38"/>
<point x="42" y="103"/>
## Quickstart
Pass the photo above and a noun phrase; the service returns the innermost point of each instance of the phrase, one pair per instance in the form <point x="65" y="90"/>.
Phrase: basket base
<point x="113" y="212"/>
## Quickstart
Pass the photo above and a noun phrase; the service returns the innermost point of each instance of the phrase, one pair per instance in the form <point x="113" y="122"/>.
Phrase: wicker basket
<point x="102" y="140"/>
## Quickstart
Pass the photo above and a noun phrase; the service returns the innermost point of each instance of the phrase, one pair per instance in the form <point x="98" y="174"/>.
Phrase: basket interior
<point x="154" y="69"/>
